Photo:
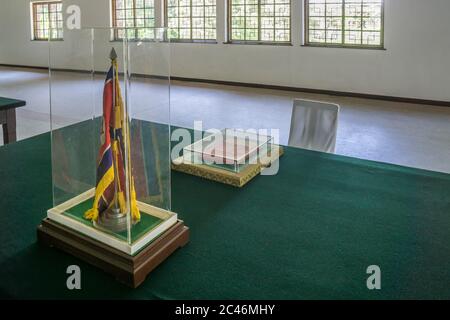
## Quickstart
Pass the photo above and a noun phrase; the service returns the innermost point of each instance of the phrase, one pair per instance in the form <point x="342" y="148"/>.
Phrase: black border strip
<point x="275" y="87"/>
<point x="320" y="91"/>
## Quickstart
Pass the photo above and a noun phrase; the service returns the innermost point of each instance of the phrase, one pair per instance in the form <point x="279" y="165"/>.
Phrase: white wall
<point x="416" y="63"/>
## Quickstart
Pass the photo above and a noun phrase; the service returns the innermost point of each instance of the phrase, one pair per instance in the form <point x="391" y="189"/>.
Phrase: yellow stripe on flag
<point x="107" y="179"/>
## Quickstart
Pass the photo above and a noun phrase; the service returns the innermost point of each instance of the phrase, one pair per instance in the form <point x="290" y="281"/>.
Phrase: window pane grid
<point x="191" y="19"/>
<point x="47" y="20"/>
<point x="260" y="20"/>
<point x="345" y="22"/>
<point x="137" y="15"/>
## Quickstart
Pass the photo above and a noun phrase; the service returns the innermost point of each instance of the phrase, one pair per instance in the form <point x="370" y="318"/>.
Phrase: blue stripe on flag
<point x="105" y="163"/>
<point x="109" y="76"/>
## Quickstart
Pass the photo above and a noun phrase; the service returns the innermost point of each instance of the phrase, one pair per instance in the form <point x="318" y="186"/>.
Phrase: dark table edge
<point x="13" y="105"/>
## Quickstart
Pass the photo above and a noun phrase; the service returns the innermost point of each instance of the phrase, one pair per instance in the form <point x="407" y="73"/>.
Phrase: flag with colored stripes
<point x="110" y="187"/>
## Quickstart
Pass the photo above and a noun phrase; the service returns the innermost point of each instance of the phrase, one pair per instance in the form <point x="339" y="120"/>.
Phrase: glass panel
<point x="148" y="92"/>
<point x="229" y="149"/>
<point x="134" y="14"/>
<point x="47" y="16"/>
<point x="260" y="20"/>
<point x="345" y="22"/>
<point x="192" y="19"/>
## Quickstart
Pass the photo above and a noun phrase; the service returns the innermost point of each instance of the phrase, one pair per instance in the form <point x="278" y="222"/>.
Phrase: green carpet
<point x="309" y="232"/>
<point x="146" y="223"/>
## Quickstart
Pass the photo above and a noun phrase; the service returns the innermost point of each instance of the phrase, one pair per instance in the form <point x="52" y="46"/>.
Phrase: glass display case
<point x="229" y="149"/>
<point x="110" y="136"/>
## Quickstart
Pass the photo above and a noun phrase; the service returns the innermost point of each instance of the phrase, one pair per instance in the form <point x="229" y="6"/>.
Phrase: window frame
<point x="257" y="42"/>
<point x="34" y="22"/>
<point x="115" y="31"/>
<point x="166" y="25"/>
<point x="306" y="42"/>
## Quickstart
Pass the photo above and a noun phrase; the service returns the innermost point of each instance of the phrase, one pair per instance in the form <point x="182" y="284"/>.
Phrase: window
<point x="138" y="15"/>
<point x="47" y="20"/>
<point x="346" y="23"/>
<point x="191" y="19"/>
<point x="260" y="21"/>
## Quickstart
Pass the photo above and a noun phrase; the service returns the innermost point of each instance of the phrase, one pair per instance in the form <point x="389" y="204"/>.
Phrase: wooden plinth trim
<point x="130" y="270"/>
<point x="235" y="179"/>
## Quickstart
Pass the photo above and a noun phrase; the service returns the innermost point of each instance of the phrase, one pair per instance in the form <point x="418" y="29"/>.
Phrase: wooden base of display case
<point x="236" y="179"/>
<point x="130" y="270"/>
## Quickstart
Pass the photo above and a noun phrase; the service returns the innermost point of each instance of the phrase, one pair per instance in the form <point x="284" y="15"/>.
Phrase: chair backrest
<point x="314" y="125"/>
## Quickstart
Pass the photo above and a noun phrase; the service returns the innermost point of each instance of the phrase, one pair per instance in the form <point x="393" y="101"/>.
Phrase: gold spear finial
<point x="113" y="54"/>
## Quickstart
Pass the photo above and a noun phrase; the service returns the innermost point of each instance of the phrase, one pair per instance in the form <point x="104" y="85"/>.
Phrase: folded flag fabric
<point x="111" y="183"/>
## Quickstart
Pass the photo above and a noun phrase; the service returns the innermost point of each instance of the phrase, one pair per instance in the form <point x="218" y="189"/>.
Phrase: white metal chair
<point x="314" y="125"/>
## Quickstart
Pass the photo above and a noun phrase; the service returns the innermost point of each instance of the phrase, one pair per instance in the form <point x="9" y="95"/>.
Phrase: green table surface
<point x="308" y="232"/>
<point x="7" y="103"/>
